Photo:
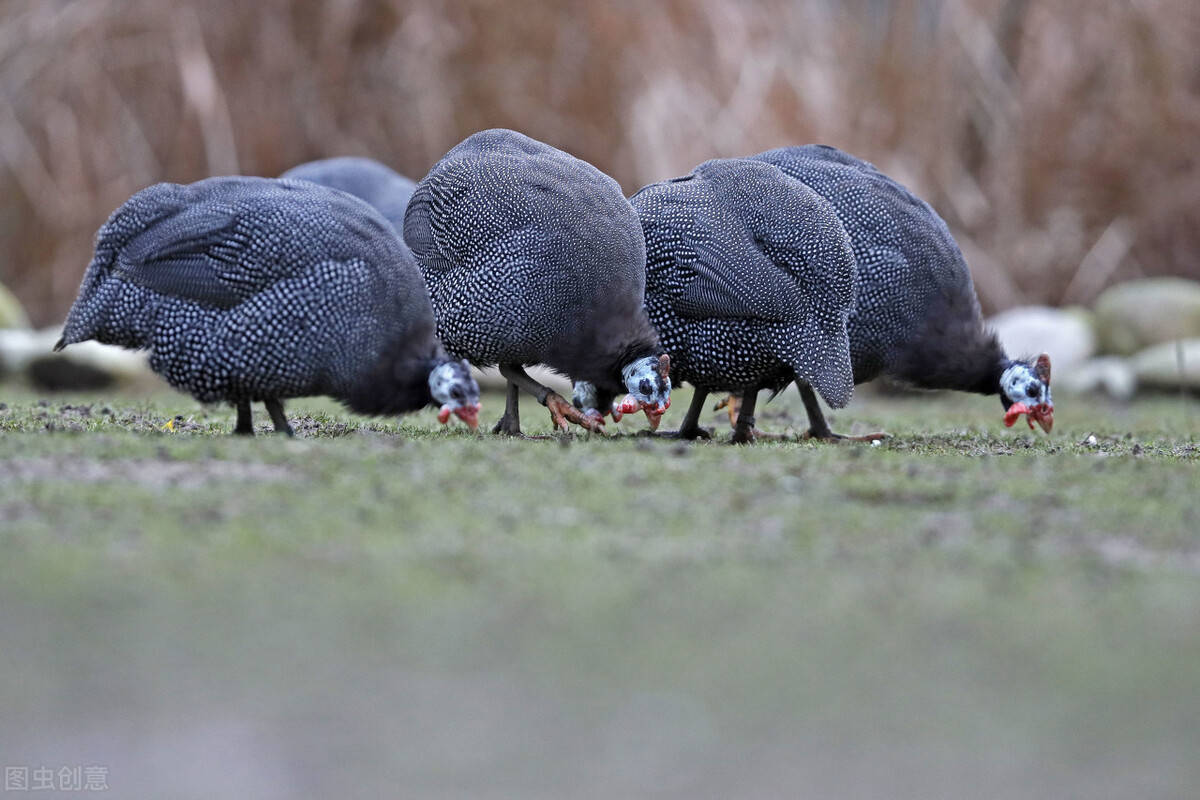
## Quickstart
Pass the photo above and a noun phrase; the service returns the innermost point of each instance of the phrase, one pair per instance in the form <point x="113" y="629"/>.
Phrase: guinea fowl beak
<point x="467" y="413"/>
<point x="654" y="412"/>
<point x="1045" y="416"/>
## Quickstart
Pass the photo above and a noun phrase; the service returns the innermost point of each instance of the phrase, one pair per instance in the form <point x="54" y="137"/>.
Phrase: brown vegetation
<point x="1058" y="137"/>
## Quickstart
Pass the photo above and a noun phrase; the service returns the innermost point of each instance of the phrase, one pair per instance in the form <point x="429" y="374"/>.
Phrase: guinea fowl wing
<point x="760" y="247"/>
<point x="758" y="290"/>
<point x="182" y="256"/>
<point x="429" y="229"/>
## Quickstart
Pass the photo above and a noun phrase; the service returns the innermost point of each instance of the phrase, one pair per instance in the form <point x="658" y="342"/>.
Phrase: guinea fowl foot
<point x="752" y="435"/>
<point x="732" y="405"/>
<point x="563" y="412"/>
<point x="830" y="436"/>
<point x="508" y="426"/>
<point x="744" y="435"/>
<point x="818" y="427"/>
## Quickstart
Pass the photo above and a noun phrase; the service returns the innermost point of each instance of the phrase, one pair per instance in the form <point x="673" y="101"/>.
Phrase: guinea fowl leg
<point x="275" y="409"/>
<point x="732" y="403"/>
<point x="743" y="431"/>
<point x="690" y="429"/>
<point x="818" y="427"/>
<point x="561" y="411"/>
<point x="245" y="425"/>
<point x="510" y="423"/>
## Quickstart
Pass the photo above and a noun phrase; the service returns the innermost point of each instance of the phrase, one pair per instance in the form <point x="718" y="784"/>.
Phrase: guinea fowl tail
<point x="109" y="309"/>
<point x="823" y="362"/>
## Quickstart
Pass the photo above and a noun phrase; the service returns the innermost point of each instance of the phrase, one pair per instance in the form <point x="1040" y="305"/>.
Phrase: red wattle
<point x="444" y="414"/>
<point x="1014" y="413"/>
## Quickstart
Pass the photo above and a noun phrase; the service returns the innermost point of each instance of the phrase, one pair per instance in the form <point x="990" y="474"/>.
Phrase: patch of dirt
<point x="142" y="472"/>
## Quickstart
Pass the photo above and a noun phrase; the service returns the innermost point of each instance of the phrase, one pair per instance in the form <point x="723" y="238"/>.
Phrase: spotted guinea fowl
<point x="254" y="289"/>
<point x="378" y="184"/>
<point x="749" y="280"/>
<point x="534" y="256"/>
<point x="916" y="317"/>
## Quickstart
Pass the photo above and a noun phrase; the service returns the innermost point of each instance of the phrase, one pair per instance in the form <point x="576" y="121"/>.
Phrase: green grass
<point x="381" y="609"/>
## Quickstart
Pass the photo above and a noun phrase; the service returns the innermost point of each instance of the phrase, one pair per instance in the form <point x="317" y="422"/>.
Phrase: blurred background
<point x="1057" y="137"/>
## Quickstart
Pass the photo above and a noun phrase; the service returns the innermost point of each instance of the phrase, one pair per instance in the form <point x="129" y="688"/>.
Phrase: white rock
<point x="12" y="315"/>
<point x="492" y="379"/>
<point x="18" y="348"/>
<point x="1063" y="333"/>
<point x="1159" y="366"/>
<point x="1135" y="315"/>
<point x="1110" y="375"/>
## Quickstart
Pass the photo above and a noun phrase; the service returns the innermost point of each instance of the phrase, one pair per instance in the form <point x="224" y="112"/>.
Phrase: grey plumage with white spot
<point x="531" y="256"/>
<point x="749" y="279"/>
<point x="259" y="289"/>
<point x="386" y="190"/>
<point x="916" y="316"/>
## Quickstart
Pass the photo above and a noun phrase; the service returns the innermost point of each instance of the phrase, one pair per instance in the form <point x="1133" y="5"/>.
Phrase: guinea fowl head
<point x="452" y="386"/>
<point x="1025" y="389"/>
<point x="648" y="380"/>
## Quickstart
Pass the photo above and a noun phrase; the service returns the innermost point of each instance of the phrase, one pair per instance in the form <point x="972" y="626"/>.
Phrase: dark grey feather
<point x="916" y="317"/>
<point x="750" y="278"/>
<point x="367" y="179"/>
<point x="256" y="289"/>
<point x="531" y="256"/>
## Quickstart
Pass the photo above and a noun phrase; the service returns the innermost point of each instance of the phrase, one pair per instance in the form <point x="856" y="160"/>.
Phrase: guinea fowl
<point x="749" y="280"/>
<point x="378" y="184"/>
<point x="534" y="256"/>
<point x="249" y="289"/>
<point x="916" y="318"/>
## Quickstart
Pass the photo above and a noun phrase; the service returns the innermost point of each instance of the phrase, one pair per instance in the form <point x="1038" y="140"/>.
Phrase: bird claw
<point x="563" y="412"/>
<point x="830" y="436"/>
<point x="733" y="405"/>
<point x="744" y="434"/>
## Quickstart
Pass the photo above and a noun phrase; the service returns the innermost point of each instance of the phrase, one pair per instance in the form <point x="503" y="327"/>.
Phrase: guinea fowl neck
<point x="952" y="349"/>
<point x="398" y="384"/>
<point x="991" y="385"/>
<point x="627" y="354"/>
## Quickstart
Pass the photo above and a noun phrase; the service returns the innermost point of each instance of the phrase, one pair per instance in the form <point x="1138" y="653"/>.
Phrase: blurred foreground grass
<point x="374" y="609"/>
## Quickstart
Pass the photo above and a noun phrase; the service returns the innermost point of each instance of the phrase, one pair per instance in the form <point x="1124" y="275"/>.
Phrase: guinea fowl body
<point x="532" y="256"/>
<point x="248" y="289"/>
<point x="749" y="280"/>
<point x="916" y="316"/>
<point x="386" y="190"/>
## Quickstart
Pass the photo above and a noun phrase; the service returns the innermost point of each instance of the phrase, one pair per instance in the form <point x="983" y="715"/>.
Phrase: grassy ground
<point x="374" y="609"/>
